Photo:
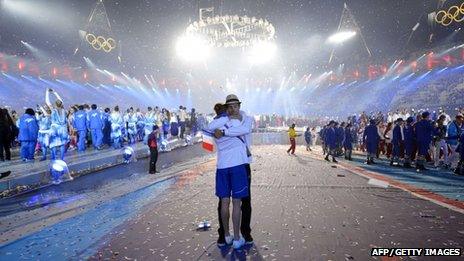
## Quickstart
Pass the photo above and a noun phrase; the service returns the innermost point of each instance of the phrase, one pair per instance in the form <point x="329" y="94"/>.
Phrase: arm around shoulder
<point x="243" y="129"/>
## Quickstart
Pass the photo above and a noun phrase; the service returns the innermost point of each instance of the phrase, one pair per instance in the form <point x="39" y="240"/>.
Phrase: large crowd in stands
<point x="52" y="130"/>
<point x="432" y="89"/>
<point x="276" y="121"/>
<point x="447" y="90"/>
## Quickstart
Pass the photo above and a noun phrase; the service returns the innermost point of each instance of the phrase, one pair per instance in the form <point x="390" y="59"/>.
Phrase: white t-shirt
<point x="182" y="115"/>
<point x="231" y="151"/>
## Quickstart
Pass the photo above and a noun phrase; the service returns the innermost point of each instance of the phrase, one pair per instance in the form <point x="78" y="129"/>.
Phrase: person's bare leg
<point x="236" y="216"/>
<point x="225" y="215"/>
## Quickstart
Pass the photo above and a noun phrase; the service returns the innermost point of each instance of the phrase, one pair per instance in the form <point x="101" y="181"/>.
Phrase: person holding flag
<point x="219" y="121"/>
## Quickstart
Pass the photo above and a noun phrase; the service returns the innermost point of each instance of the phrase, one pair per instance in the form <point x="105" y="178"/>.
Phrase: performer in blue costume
<point x="95" y="125"/>
<point x="166" y="117"/>
<point x="140" y="125"/>
<point x="106" y="127"/>
<point x="174" y="125"/>
<point x="116" y="127"/>
<point x="28" y="131"/>
<point x="348" y="142"/>
<point x="397" y="142"/>
<point x="149" y="123"/>
<point x="331" y="141"/>
<point x="409" y="141"/>
<point x="80" y="124"/>
<point x="371" y="139"/>
<point x="423" y="133"/>
<point x="59" y="136"/>
<point x="44" y="130"/>
<point x="131" y="119"/>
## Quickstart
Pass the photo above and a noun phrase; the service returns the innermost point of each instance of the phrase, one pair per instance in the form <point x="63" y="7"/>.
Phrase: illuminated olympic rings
<point x="454" y="14"/>
<point x="101" y="43"/>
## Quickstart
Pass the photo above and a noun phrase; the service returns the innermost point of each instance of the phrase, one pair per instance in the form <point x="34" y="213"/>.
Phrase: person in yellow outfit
<point x="292" y="135"/>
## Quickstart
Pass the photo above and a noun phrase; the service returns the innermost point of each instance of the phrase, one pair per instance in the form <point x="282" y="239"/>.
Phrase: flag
<point x="208" y="141"/>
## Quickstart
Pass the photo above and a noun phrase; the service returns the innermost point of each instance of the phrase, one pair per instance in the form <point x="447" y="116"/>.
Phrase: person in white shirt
<point x="131" y="120"/>
<point x="182" y="118"/>
<point x="447" y="117"/>
<point x="233" y="134"/>
<point x="117" y="124"/>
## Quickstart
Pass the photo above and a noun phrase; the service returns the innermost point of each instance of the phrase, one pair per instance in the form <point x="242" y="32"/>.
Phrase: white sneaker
<point x="239" y="243"/>
<point x="229" y="240"/>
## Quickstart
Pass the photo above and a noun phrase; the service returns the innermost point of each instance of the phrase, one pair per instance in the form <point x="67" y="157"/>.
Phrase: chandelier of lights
<point x="232" y="30"/>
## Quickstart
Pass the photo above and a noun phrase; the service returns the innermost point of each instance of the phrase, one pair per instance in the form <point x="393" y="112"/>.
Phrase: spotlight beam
<point x="341" y="37"/>
<point x="40" y="55"/>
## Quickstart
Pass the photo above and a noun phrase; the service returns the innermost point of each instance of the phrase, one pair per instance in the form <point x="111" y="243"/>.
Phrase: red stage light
<point x="34" y="69"/>
<point x="430" y="61"/>
<point x="67" y="72"/>
<point x="447" y="59"/>
<point x="371" y="72"/>
<point x="384" y="69"/>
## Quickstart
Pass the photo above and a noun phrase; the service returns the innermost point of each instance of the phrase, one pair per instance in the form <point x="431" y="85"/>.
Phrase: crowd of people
<point x="404" y="137"/>
<point x="265" y="121"/>
<point x="52" y="130"/>
<point x="447" y="89"/>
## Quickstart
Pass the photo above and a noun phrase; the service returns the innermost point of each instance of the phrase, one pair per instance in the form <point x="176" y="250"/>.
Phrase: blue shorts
<point x="232" y="182"/>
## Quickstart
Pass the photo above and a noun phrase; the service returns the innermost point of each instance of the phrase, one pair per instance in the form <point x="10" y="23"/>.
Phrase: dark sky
<point x="148" y="29"/>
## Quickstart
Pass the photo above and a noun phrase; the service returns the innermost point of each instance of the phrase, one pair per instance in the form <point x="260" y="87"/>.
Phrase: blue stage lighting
<point x="128" y="154"/>
<point x="58" y="170"/>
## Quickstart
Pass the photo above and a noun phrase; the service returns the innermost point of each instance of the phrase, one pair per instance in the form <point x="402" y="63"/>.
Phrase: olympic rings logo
<point x="101" y="43"/>
<point x="455" y="13"/>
